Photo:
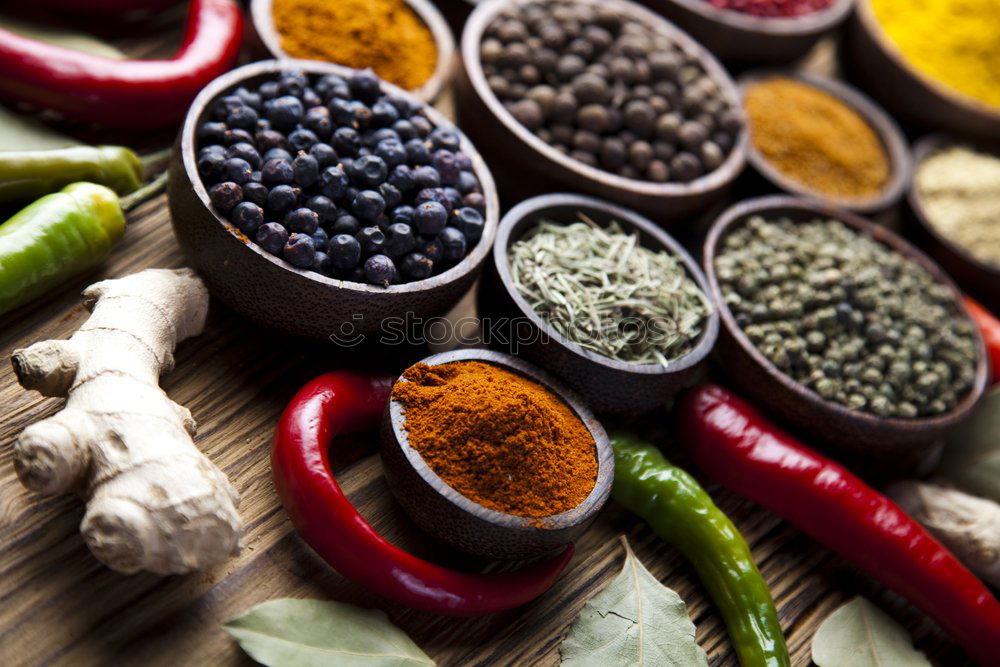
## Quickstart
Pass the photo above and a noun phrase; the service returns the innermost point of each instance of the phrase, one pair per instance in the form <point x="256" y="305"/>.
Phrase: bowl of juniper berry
<point x="314" y="251"/>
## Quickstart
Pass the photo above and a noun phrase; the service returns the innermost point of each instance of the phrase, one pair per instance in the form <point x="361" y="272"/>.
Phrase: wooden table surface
<point x="58" y="605"/>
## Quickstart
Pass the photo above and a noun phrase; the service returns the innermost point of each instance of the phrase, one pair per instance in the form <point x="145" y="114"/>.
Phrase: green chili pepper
<point x="31" y="174"/>
<point x="681" y="512"/>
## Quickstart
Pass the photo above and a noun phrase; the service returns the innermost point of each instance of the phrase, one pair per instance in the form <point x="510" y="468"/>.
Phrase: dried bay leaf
<point x="61" y="36"/>
<point x="22" y="133"/>
<point x="635" y="620"/>
<point x="971" y="458"/>
<point x="859" y="634"/>
<point x="317" y="633"/>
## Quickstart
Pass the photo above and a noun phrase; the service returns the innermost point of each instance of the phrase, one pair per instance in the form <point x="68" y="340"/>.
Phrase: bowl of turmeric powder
<point x="493" y="456"/>
<point x="406" y="42"/>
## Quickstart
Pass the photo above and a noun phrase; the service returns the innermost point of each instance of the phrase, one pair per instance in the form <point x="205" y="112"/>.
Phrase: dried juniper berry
<point x="277" y="172"/>
<point x="299" y="251"/>
<point x="282" y="198"/>
<point x="372" y="240"/>
<point x="302" y="220"/>
<point x="346" y="224"/>
<point x="247" y="217"/>
<point x="344" y="251"/>
<point x="399" y="239"/>
<point x="225" y="196"/>
<point x="271" y="236"/>
<point x="430" y="217"/>
<point x="452" y="243"/>
<point x="380" y="270"/>
<point x="368" y="205"/>
<point x="416" y="266"/>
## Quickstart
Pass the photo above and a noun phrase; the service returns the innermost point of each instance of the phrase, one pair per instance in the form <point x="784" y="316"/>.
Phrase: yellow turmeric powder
<point x="956" y="42"/>
<point x="385" y="35"/>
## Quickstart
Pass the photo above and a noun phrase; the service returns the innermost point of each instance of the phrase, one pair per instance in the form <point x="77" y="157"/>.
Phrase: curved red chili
<point x="123" y="93"/>
<point x="739" y="448"/>
<point x="989" y="327"/>
<point x="346" y="401"/>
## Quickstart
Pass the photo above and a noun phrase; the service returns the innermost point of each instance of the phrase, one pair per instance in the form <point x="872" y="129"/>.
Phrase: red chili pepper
<point x="989" y="326"/>
<point x="736" y="446"/>
<point x="129" y="93"/>
<point x="341" y="402"/>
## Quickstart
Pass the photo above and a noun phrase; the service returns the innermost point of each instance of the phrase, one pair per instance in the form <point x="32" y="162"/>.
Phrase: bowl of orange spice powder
<point x="406" y="42"/>
<point x="493" y="456"/>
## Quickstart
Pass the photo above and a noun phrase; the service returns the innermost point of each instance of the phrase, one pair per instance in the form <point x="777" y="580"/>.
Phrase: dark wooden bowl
<point x="607" y="385"/>
<point x="741" y="38"/>
<point x="445" y="513"/>
<point x="525" y="165"/>
<point x="881" y="68"/>
<point x="269" y="290"/>
<point x="903" y="442"/>
<point x="978" y="278"/>
<point x="888" y="132"/>
<point x="268" y="41"/>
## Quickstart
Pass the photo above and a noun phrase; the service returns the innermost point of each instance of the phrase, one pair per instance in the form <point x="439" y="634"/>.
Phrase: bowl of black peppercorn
<point x="319" y="201"/>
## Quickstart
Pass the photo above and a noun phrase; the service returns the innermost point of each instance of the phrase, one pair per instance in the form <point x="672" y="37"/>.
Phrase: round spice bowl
<point x="738" y="37"/>
<point x="901" y="442"/>
<point x="262" y="20"/>
<point x="978" y="278"/>
<point x="268" y="290"/>
<point x="885" y="128"/>
<point x="608" y="385"/>
<point x="448" y="515"/>
<point x="878" y="64"/>
<point x="541" y="168"/>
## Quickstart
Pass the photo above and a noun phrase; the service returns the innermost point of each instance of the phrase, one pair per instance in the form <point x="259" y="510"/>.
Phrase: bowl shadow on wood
<point x="271" y="292"/>
<point x="608" y="385"/>
<point x="860" y="436"/>
<point x="525" y="165"/>
<point x="449" y="516"/>
<point x="884" y="127"/>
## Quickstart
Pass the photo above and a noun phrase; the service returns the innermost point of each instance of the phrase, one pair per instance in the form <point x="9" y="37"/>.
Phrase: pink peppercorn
<point x="772" y="8"/>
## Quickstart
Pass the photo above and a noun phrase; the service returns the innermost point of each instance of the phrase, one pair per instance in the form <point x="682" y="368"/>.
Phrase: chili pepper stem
<point x="145" y="193"/>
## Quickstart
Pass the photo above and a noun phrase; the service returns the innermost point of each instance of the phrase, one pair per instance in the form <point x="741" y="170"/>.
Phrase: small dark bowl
<point x="903" y="442"/>
<point x="910" y="95"/>
<point x="888" y="132"/>
<point x="525" y="165"/>
<point x="445" y="513"/>
<point x="262" y="21"/>
<point x="269" y="290"/>
<point x="608" y="385"/>
<point x="741" y="38"/>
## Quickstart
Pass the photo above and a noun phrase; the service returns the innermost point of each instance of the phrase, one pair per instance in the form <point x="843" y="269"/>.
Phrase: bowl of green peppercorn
<point x="842" y="328"/>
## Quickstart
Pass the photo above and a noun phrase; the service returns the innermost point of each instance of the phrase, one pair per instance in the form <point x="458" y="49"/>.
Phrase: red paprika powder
<point x="772" y="8"/>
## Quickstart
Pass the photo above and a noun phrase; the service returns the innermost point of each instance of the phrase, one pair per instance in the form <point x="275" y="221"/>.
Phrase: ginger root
<point x="154" y="501"/>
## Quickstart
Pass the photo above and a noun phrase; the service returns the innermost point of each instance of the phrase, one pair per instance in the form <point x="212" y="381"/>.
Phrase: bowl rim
<point x="865" y="14"/>
<point x="805" y="24"/>
<point x="587" y="508"/>
<point x="631" y="220"/>
<point x="233" y="78"/>
<point x="472" y="36"/>
<point x="262" y="18"/>
<point x="739" y="212"/>
<point x="886" y="129"/>
<point x="924" y="148"/>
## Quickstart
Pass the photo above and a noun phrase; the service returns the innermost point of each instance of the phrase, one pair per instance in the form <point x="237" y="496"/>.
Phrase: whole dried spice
<point x="499" y="439"/>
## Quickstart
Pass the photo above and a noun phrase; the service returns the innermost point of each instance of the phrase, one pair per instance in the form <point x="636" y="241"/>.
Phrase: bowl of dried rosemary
<point x="601" y="297"/>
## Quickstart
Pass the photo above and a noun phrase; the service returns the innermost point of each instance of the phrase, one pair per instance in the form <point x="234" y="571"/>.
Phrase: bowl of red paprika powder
<point x="493" y="456"/>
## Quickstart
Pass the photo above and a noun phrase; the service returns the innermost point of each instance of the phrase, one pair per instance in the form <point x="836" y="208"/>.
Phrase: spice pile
<point x="814" y="139"/>
<point x="952" y="41"/>
<point x="608" y="90"/>
<point x="772" y="8"/>
<point x="385" y="35"/>
<point x="603" y="291"/>
<point x="959" y="191"/>
<point x="499" y="439"/>
<point x="335" y="176"/>
<point x="855" y="321"/>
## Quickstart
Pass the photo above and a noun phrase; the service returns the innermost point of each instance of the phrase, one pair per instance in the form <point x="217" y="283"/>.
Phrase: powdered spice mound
<point x="497" y="438"/>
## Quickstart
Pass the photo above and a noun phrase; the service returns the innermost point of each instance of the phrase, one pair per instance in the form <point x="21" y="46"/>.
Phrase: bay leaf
<point x="635" y="620"/>
<point x="971" y="458"/>
<point x="21" y="133"/>
<point x="317" y="633"/>
<point x="60" y="36"/>
<point x="859" y="634"/>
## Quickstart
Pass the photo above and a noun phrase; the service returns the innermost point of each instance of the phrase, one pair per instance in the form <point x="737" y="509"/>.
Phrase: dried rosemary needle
<point x="602" y="290"/>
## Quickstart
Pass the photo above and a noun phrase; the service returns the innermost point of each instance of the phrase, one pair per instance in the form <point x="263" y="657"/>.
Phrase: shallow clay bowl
<point x="525" y="165"/>
<point x="858" y="434"/>
<point x="878" y="64"/>
<point x="607" y="385"/>
<point x="269" y="290"/>
<point x="262" y="20"/>
<point x="976" y="277"/>
<point x="888" y="132"/>
<point x="742" y="38"/>
<point x="445" y="513"/>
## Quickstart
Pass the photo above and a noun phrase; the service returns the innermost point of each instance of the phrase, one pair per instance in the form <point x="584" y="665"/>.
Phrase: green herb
<point x="603" y="291"/>
<point x="859" y="634"/>
<point x="635" y="620"/>
<point x="315" y="633"/>
<point x="971" y="458"/>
